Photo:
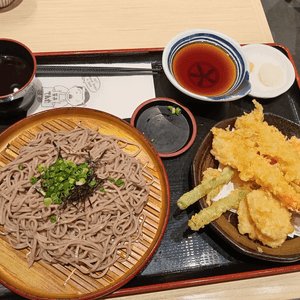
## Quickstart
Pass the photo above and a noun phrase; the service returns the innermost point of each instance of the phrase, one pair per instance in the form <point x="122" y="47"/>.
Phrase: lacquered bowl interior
<point x="226" y="225"/>
<point x="170" y="134"/>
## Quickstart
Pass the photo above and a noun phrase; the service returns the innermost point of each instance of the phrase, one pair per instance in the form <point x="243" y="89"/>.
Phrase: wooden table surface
<point x="78" y="25"/>
<point x="72" y="25"/>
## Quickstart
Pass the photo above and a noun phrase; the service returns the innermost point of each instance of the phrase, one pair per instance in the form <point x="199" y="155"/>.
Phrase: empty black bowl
<point x="170" y="133"/>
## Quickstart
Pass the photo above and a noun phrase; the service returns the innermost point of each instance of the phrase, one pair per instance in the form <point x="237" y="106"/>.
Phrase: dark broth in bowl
<point x="15" y="73"/>
<point x="204" y="69"/>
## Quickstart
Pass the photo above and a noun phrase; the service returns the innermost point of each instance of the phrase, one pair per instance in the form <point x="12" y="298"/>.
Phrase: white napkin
<point x="117" y="95"/>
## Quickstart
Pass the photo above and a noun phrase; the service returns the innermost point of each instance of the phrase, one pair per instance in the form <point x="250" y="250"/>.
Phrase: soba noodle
<point x="90" y="238"/>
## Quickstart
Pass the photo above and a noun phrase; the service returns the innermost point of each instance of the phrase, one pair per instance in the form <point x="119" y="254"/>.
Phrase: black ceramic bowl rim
<point x="191" y="121"/>
<point x="14" y="95"/>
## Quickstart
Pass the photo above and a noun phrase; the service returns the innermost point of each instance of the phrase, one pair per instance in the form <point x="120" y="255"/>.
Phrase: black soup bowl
<point x="18" y="85"/>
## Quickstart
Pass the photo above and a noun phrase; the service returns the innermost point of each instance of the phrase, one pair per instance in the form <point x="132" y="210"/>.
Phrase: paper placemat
<point x="117" y="95"/>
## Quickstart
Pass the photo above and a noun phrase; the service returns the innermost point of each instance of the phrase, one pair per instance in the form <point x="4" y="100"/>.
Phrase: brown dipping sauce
<point x="204" y="69"/>
<point x="15" y="73"/>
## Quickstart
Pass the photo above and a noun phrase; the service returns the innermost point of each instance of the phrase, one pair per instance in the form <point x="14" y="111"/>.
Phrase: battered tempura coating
<point x="247" y="226"/>
<point x="263" y="218"/>
<point x="252" y="148"/>
<point x="270" y="217"/>
<point x="209" y="174"/>
<point x="270" y="142"/>
<point x="267" y="165"/>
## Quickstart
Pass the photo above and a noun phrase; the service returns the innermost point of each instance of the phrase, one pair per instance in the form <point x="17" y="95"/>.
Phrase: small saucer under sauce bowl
<point x="167" y="124"/>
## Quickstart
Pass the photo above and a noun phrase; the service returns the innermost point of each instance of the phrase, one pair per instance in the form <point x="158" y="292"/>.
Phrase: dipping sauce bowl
<point x="207" y="65"/>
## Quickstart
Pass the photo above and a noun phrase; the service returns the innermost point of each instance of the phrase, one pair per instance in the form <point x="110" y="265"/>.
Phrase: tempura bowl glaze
<point x="241" y="86"/>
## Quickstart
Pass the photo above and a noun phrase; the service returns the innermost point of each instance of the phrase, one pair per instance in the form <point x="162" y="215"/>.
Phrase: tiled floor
<point x="284" y="20"/>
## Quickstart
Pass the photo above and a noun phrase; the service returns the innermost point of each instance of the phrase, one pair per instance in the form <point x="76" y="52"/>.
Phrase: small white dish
<point x="259" y="55"/>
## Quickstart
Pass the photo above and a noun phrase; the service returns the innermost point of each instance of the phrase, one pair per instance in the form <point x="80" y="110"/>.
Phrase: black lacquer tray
<point x="184" y="257"/>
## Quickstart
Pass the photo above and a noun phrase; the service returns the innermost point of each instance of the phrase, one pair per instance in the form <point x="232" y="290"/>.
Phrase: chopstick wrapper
<point x="117" y="95"/>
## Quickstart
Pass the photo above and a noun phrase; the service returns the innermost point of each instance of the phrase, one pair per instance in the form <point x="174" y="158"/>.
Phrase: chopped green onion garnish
<point x="66" y="193"/>
<point x="60" y="186"/>
<point x="119" y="182"/>
<point x="93" y="183"/>
<point x="71" y="164"/>
<point x="85" y="170"/>
<point x="47" y="201"/>
<point x="53" y="219"/>
<point x="63" y="167"/>
<point x="81" y="181"/>
<point x="174" y="110"/>
<point x="52" y="174"/>
<point x="152" y="140"/>
<point x="59" y="161"/>
<point x="177" y="111"/>
<point x="111" y="179"/>
<point x="102" y="190"/>
<point x="61" y="178"/>
<point x="40" y="168"/>
<point x="68" y="171"/>
<point x="71" y="180"/>
<point x="33" y="180"/>
<point x="20" y="167"/>
<point x="54" y="197"/>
